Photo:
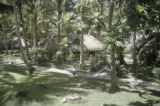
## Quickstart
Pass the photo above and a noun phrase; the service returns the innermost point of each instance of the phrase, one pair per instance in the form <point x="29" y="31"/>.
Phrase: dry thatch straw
<point x="90" y="44"/>
<point x="51" y="47"/>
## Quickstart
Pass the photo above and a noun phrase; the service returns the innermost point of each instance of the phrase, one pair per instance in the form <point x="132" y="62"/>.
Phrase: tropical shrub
<point x="59" y="57"/>
<point x="64" y="54"/>
<point x="97" y="62"/>
<point x="120" y="69"/>
<point x="70" y="57"/>
<point x="156" y="72"/>
<point x="39" y="57"/>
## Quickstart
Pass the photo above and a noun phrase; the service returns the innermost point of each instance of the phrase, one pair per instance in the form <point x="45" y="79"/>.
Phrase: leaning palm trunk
<point x="5" y="36"/>
<point x="19" y="39"/>
<point x="6" y="42"/>
<point x="34" y="22"/>
<point x="24" y="34"/>
<point x="17" y="31"/>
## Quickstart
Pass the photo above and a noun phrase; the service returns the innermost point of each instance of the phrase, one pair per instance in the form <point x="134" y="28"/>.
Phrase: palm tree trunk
<point x="6" y="43"/>
<point x="34" y="21"/>
<point x="101" y="8"/>
<point x="47" y="32"/>
<point x="120" y="55"/>
<point x="5" y="36"/>
<point x="81" y="50"/>
<point x="59" y="32"/>
<point x="114" y="81"/>
<point x="17" y="31"/>
<point x="12" y="44"/>
<point x="59" y="25"/>
<point x="24" y="33"/>
<point x="30" y="68"/>
<point x="134" y="50"/>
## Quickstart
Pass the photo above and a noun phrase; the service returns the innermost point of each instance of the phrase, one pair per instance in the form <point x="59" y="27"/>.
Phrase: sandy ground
<point x="73" y="73"/>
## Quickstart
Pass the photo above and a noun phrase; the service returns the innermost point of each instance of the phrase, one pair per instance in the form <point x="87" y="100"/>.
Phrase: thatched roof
<point x="12" y="42"/>
<point x="51" y="46"/>
<point x="90" y="44"/>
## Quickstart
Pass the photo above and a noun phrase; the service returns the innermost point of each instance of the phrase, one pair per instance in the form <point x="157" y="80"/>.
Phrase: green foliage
<point x="59" y="58"/>
<point x="120" y="69"/>
<point x="77" y="67"/>
<point x="0" y="57"/>
<point x="142" y="14"/>
<point x="97" y="62"/>
<point x="64" y="42"/>
<point x="144" y="71"/>
<point x="67" y="16"/>
<point x="134" y="16"/>
<point x="156" y="72"/>
<point x="64" y="54"/>
<point x="39" y="57"/>
<point x="140" y="8"/>
<point x="7" y="77"/>
<point x="117" y="35"/>
<point x="70" y="57"/>
<point x="86" y="14"/>
<point x="4" y="75"/>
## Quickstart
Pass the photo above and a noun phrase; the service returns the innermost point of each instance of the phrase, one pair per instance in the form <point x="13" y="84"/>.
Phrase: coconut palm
<point x="17" y="29"/>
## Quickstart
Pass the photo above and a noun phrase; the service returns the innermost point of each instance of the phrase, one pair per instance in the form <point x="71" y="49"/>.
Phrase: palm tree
<point x="114" y="82"/>
<point x="24" y="34"/>
<point x="4" y="33"/>
<point x="134" y="20"/>
<point x="33" y="9"/>
<point x="17" y="29"/>
<point x="59" y="9"/>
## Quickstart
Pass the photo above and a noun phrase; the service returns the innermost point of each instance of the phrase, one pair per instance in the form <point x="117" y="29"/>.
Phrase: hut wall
<point x="86" y="55"/>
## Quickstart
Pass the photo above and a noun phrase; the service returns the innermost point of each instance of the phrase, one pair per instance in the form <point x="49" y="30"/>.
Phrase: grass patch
<point x="47" y="89"/>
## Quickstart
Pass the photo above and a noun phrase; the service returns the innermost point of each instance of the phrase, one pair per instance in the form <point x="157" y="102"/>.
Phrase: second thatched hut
<point x="91" y="45"/>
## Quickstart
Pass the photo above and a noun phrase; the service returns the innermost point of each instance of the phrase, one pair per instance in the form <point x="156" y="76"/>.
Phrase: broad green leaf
<point x="67" y="17"/>
<point x="140" y="8"/>
<point x="96" y="14"/>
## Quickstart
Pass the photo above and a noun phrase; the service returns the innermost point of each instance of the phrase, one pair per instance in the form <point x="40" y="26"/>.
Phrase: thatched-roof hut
<point x="12" y="43"/>
<point x="50" y="48"/>
<point x="90" y="44"/>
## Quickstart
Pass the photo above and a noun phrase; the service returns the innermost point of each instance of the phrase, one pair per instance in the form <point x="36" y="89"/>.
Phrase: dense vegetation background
<point x="125" y="41"/>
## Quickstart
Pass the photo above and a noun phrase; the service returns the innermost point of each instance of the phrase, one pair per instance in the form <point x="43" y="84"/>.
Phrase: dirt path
<point x="130" y="79"/>
<point x="69" y="71"/>
<point x="133" y="81"/>
<point x="72" y="73"/>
